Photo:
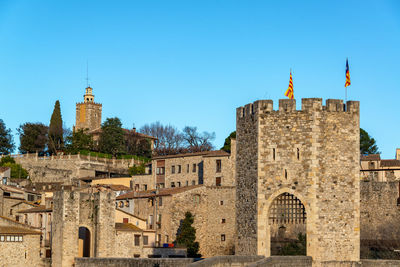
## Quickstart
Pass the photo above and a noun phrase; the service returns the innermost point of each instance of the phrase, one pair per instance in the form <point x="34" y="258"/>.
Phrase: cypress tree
<point x="6" y="140"/>
<point x="56" y="141"/>
<point x="187" y="235"/>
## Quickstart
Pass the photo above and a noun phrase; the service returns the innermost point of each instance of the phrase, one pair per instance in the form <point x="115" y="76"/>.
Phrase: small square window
<point x="12" y="238"/>
<point x="20" y="238"/>
<point x="8" y="238"/>
<point x="2" y="238"/>
<point x="222" y="237"/>
<point x="221" y="202"/>
<point x="223" y="220"/>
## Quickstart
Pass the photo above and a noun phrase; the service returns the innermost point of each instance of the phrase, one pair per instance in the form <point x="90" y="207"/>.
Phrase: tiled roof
<point x="114" y="187"/>
<point x="127" y="213"/>
<point x="14" y="221"/>
<point x="214" y="153"/>
<point x="161" y="192"/>
<point x="371" y="157"/>
<point x="3" y="169"/>
<point x="390" y="163"/>
<point x="26" y="202"/>
<point x="99" y="130"/>
<point x="9" y="230"/>
<point x="41" y="208"/>
<point x="127" y="227"/>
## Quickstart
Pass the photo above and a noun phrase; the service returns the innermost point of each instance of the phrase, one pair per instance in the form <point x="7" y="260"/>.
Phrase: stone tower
<point x="299" y="168"/>
<point x="83" y="225"/>
<point x="88" y="113"/>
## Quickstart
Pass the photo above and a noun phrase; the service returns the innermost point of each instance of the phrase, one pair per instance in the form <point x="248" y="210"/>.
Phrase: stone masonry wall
<point x="25" y="253"/>
<point x="313" y="154"/>
<point x="247" y="140"/>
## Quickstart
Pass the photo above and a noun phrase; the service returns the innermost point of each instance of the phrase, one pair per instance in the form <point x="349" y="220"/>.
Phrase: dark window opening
<point x="218" y="165"/>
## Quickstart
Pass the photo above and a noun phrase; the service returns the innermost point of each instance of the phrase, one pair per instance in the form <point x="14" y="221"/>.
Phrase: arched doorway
<point x="287" y="220"/>
<point x="84" y="242"/>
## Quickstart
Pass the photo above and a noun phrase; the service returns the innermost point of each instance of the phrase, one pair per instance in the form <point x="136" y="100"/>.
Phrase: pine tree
<point x="187" y="235"/>
<point x="6" y="140"/>
<point x="112" y="137"/>
<point x="367" y="143"/>
<point x="56" y="141"/>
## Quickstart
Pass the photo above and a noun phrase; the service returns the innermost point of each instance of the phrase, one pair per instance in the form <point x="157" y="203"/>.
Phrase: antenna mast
<point x="87" y="73"/>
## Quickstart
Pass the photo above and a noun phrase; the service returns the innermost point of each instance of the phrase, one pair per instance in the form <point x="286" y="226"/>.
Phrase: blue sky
<point x="193" y="62"/>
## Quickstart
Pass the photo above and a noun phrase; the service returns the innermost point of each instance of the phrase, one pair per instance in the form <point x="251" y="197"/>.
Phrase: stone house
<point x="381" y="170"/>
<point x="211" y="168"/>
<point x="5" y="175"/>
<point x="19" y="244"/>
<point x="213" y="207"/>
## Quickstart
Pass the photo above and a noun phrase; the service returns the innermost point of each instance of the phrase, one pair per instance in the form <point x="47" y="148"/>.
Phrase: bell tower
<point x="88" y="113"/>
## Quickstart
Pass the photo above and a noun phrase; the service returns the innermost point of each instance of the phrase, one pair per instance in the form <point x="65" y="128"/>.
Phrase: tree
<point x="186" y="236"/>
<point x="16" y="169"/>
<point x="367" y="144"/>
<point x="137" y="145"/>
<point x="137" y="169"/>
<point x="227" y="143"/>
<point x="196" y="142"/>
<point x="56" y="140"/>
<point x="33" y="137"/>
<point x="6" y="140"/>
<point x="170" y="140"/>
<point x="112" y="137"/>
<point x="78" y="141"/>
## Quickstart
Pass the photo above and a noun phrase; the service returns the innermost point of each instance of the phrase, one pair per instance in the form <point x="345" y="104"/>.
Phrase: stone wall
<point x="283" y="261"/>
<point x="380" y="216"/>
<point x="25" y="253"/>
<point x="64" y="168"/>
<point x="120" y="262"/>
<point x="312" y="154"/>
<point x="204" y="202"/>
<point x="226" y="261"/>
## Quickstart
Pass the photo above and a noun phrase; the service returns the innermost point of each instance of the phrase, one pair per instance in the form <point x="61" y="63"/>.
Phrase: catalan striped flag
<point x="347" y="74"/>
<point x="289" y="92"/>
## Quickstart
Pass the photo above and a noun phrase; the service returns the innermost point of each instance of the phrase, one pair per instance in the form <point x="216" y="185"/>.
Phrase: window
<point x="31" y="197"/>
<point x="222" y="237"/>
<point x="159" y="201"/>
<point x="145" y="187"/>
<point x="223" y="221"/>
<point x="137" y="240"/>
<point x="193" y="182"/>
<point x="136" y="187"/>
<point x="17" y="218"/>
<point x="179" y="168"/>
<point x="166" y="238"/>
<point x="172" y="184"/>
<point x="145" y="240"/>
<point x="127" y="203"/>
<point x="221" y="202"/>
<point x="136" y="255"/>
<point x="273" y="154"/>
<point x="11" y="212"/>
<point x="187" y="183"/>
<point x="161" y="170"/>
<point x="194" y="167"/>
<point x="173" y="169"/>
<point x="179" y="184"/>
<point x="218" y="181"/>
<point x="286" y="174"/>
<point x="298" y="153"/>
<point x="11" y="238"/>
<point x="125" y="220"/>
<point x="187" y="168"/>
<point x="121" y="204"/>
<point x="218" y="165"/>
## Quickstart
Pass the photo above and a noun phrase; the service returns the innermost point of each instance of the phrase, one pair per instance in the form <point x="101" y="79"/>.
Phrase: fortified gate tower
<point x="298" y="171"/>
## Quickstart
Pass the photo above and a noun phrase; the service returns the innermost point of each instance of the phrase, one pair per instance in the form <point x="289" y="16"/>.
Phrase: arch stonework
<point x="313" y="154"/>
<point x="264" y="240"/>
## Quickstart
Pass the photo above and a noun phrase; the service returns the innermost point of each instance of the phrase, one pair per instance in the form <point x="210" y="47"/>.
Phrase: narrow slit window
<point x="298" y="153"/>
<point x="273" y="154"/>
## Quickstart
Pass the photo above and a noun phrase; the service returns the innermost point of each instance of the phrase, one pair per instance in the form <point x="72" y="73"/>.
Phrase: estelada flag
<point x="347" y="74"/>
<point x="289" y="92"/>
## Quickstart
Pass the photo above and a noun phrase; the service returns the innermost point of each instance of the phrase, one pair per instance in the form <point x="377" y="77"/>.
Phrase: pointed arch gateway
<point x="287" y="221"/>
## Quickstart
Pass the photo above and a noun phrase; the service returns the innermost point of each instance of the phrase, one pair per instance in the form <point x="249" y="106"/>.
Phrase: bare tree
<point x="195" y="141"/>
<point x="170" y="140"/>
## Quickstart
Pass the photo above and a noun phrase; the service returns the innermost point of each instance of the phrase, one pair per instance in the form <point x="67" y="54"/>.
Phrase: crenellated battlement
<point x="91" y="103"/>
<point x="289" y="105"/>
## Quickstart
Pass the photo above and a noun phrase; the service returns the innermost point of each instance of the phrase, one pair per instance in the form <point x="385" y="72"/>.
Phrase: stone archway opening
<point x="84" y="242"/>
<point x="287" y="222"/>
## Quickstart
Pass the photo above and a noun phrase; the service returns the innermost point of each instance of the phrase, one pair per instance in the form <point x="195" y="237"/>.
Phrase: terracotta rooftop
<point x="127" y="227"/>
<point x="26" y="202"/>
<point x="9" y="230"/>
<point x="390" y="163"/>
<point x="161" y="192"/>
<point x="371" y="157"/>
<point x="19" y="223"/>
<point x="3" y="169"/>
<point x="214" y="153"/>
<point x="113" y="187"/>
<point x="41" y="208"/>
<point x="98" y="131"/>
<point x="127" y="213"/>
